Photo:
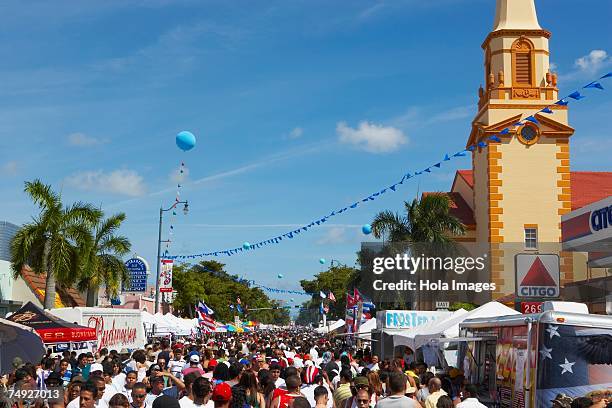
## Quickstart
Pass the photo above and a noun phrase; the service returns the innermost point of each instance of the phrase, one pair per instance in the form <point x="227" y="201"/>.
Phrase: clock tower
<point x="522" y="183"/>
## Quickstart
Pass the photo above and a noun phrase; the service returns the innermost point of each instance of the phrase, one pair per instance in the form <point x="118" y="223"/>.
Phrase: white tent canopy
<point x="407" y="337"/>
<point x="147" y="319"/>
<point x="365" y="330"/>
<point x="449" y="328"/>
<point x="334" y="326"/>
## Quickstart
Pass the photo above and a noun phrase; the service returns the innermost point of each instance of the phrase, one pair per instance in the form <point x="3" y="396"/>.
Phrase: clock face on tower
<point x="528" y="134"/>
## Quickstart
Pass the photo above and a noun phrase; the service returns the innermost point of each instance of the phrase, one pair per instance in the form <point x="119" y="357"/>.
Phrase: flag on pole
<point x="322" y="294"/>
<point x="204" y="309"/>
<point x="331" y="296"/>
<point x="207" y="323"/>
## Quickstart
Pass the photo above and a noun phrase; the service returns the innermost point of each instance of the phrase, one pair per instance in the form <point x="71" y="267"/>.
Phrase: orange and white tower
<point x="521" y="184"/>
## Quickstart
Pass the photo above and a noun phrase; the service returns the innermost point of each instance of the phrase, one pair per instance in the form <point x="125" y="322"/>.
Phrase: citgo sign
<point x="537" y="276"/>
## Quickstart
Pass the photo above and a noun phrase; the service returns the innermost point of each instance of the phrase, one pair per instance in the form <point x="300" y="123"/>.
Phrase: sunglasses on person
<point x="139" y="395"/>
<point x="363" y="401"/>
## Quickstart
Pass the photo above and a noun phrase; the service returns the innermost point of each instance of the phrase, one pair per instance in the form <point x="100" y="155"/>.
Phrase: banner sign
<point x="137" y="270"/>
<point x="407" y="319"/>
<point x="165" y="276"/>
<point x="537" y="276"/>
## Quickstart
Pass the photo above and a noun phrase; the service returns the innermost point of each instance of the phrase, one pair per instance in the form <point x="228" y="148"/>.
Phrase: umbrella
<point x="17" y="340"/>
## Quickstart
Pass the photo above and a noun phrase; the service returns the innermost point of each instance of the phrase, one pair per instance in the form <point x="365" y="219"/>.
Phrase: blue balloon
<point x="292" y="300"/>
<point x="366" y="229"/>
<point x="280" y="276"/>
<point x="185" y="140"/>
<point x="246" y="246"/>
<point x="322" y="261"/>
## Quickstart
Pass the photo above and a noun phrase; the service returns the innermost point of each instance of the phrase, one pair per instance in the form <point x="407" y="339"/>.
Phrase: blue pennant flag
<point x="495" y="138"/>
<point x="576" y="95"/>
<point x="354" y="205"/>
<point x="446" y="158"/>
<point x="393" y="187"/>
<point x="324" y="219"/>
<point x="290" y="235"/>
<point x="518" y="124"/>
<point x="532" y="119"/>
<point x="437" y="165"/>
<point x="504" y="131"/>
<point x="608" y="75"/>
<point x="561" y="102"/>
<point x="383" y="191"/>
<point x="471" y="148"/>
<point x="459" y="154"/>
<point x="594" y="84"/>
<point x="546" y="110"/>
<point x="482" y="144"/>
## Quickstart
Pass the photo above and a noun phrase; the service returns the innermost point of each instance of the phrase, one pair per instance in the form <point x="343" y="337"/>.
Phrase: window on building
<point x="521" y="53"/>
<point x="531" y="238"/>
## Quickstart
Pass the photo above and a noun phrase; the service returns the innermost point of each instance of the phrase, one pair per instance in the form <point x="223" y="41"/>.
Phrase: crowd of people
<point x="263" y="369"/>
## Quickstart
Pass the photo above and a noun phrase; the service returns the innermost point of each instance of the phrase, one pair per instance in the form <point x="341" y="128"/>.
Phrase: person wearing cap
<point x="194" y="365"/>
<point x="222" y="395"/>
<point x="397" y="391"/>
<point x="157" y="388"/>
<point x="313" y="379"/>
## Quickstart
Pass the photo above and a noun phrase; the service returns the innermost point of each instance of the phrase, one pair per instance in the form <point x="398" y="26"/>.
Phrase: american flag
<point x="331" y="296"/>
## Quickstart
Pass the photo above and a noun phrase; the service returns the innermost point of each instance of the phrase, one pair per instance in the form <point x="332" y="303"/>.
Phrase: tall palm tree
<point x="102" y="264"/>
<point x="426" y="220"/>
<point x="50" y="243"/>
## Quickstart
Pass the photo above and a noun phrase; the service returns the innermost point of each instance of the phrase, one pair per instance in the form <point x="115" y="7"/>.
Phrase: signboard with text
<point x="137" y="270"/>
<point x="407" y="319"/>
<point x="537" y="276"/>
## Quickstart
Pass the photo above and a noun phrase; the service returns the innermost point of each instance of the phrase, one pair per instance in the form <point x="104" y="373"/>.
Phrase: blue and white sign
<point x="408" y="319"/>
<point x="138" y="270"/>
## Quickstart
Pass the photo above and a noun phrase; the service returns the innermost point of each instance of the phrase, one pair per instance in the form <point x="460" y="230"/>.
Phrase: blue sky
<point x="299" y="108"/>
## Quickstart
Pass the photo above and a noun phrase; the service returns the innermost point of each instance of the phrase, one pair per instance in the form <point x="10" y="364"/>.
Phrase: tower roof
<point x="516" y="15"/>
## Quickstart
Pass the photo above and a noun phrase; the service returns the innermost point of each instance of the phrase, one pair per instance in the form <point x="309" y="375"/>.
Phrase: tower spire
<point x="516" y="15"/>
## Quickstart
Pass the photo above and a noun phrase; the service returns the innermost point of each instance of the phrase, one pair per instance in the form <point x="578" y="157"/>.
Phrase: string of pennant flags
<point x="179" y="186"/>
<point x="248" y="247"/>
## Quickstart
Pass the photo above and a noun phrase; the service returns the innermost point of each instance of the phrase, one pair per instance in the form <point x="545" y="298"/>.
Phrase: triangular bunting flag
<point x="531" y="119"/>
<point x="576" y="95"/>
<point x="546" y="110"/>
<point x="561" y="102"/>
<point x="594" y="84"/>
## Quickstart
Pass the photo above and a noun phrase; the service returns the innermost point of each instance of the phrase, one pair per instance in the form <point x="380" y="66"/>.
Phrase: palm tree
<point x="102" y="262"/>
<point x="428" y="228"/>
<point x="50" y="243"/>
<point x="426" y="220"/>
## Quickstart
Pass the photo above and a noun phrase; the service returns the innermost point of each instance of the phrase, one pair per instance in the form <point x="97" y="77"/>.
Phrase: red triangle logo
<point x="538" y="275"/>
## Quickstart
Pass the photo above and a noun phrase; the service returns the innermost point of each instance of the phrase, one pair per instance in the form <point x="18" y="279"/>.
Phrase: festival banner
<point x="165" y="276"/>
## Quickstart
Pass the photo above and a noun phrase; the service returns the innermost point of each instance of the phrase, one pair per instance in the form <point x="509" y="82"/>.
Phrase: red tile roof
<point x="69" y="297"/>
<point x="459" y="208"/>
<point x="587" y="186"/>
<point x="590" y="186"/>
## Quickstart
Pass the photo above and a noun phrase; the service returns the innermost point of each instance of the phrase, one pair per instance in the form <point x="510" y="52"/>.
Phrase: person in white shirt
<point x="157" y="388"/>
<point x="126" y="388"/>
<point x="187" y="400"/>
<point x="374" y="365"/>
<point x="201" y="390"/>
<point x="472" y="398"/>
<point x="96" y="383"/>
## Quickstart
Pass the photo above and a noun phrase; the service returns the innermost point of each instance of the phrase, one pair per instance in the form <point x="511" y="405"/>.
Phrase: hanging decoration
<point x="496" y="138"/>
<point x="185" y="141"/>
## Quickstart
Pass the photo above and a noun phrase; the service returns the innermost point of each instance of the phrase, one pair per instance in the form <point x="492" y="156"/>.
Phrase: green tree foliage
<point x="462" y="305"/>
<point x="426" y="220"/>
<point x="102" y="263"/>
<point x="209" y="282"/>
<point x="336" y="279"/>
<point x="51" y="242"/>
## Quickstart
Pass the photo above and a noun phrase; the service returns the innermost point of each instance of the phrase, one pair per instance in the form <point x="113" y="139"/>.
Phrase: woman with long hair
<point x="266" y="386"/>
<point x="375" y="387"/>
<point x="72" y="392"/>
<point x="245" y="393"/>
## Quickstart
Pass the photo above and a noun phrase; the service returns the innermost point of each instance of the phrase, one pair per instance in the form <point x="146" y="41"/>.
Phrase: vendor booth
<point x="57" y="334"/>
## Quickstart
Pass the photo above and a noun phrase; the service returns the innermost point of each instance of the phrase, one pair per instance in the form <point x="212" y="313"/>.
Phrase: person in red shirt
<point x="293" y="391"/>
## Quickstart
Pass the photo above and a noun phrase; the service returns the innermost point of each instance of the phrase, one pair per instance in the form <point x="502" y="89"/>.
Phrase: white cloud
<point x="553" y="66"/>
<point x="296" y="133"/>
<point x="371" y="137"/>
<point x="83" y="140"/>
<point x="10" y="168"/>
<point x="593" y="61"/>
<point x="123" y="181"/>
<point x="335" y="235"/>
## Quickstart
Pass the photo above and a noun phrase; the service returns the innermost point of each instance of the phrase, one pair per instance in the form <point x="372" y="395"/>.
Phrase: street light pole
<point x="159" y="242"/>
